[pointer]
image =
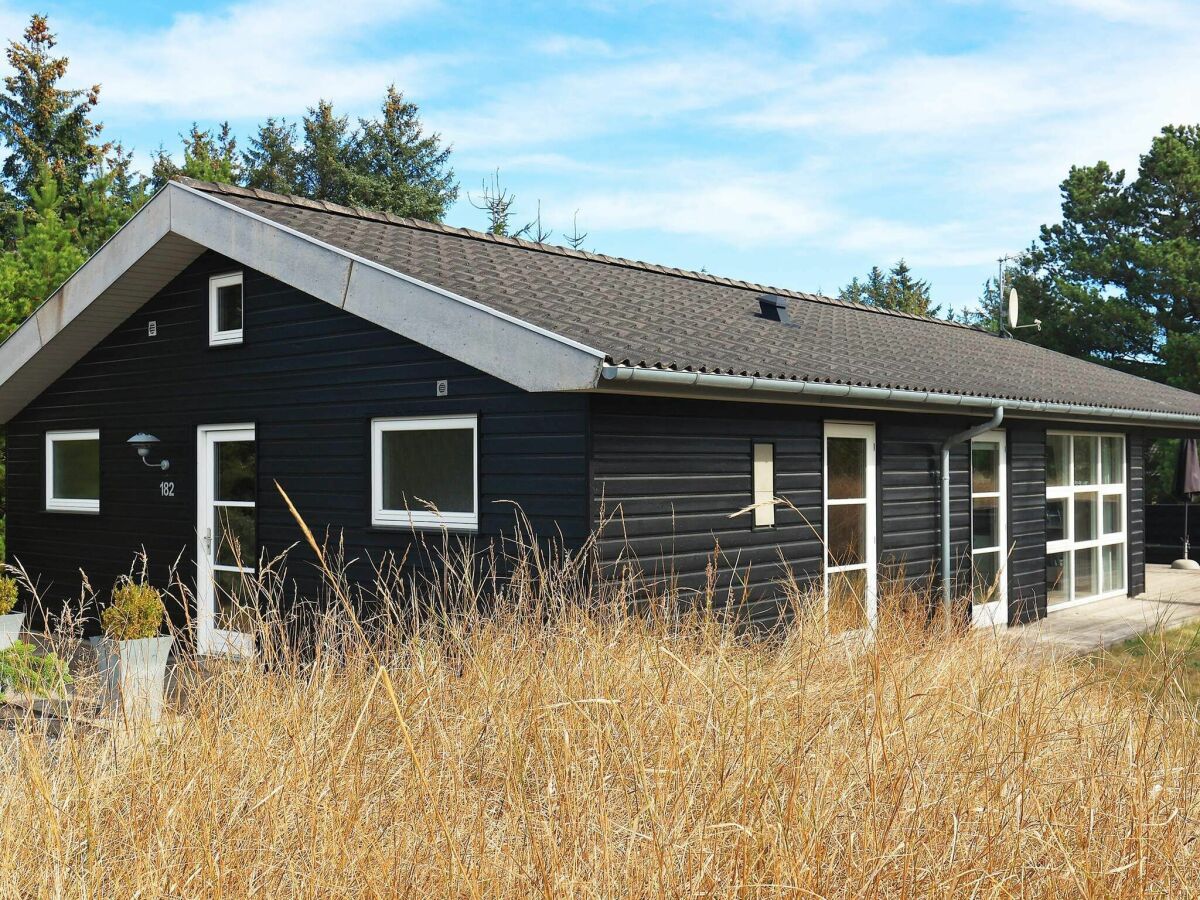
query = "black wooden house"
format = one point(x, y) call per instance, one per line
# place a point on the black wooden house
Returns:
point(399, 377)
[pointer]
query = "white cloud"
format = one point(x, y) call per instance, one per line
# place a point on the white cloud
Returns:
point(572, 107)
point(248, 60)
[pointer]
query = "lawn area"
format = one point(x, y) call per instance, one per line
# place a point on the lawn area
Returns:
point(1156, 661)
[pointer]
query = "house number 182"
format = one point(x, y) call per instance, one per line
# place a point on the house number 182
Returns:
point(167, 488)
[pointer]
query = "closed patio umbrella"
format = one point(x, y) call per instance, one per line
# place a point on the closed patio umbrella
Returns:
point(1187, 485)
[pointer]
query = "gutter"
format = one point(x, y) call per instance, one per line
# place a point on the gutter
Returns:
point(962, 436)
point(764, 387)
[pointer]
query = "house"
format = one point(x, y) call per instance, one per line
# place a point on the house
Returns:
point(397, 377)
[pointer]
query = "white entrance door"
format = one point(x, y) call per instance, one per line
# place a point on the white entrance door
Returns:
point(227, 551)
point(850, 578)
point(989, 531)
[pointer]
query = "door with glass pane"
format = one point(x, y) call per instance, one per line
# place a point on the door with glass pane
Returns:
point(227, 551)
point(989, 531)
point(850, 577)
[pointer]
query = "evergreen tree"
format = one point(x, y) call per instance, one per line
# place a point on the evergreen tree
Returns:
point(329, 145)
point(896, 290)
point(272, 163)
point(44, 126)
point(46, 255)
point(402, 169)
point(107, 200)
point(205, 157)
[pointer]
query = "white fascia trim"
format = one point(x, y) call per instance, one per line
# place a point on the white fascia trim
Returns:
point(872, 395)
point(510, 348)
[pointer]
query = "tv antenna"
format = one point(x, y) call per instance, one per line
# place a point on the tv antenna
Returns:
point(1013, 310)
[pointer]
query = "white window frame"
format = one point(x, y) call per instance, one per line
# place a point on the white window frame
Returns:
point(423, 518)
point(1068, 545)
point(762, 454)
point(67, 504)
point(994, 612)
point(218, 338)
point(862, 431)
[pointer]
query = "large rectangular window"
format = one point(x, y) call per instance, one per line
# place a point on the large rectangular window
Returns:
point(424, 472)
point(1085, 517)
point(73, 471)
point(764, 485)
point(850, 588)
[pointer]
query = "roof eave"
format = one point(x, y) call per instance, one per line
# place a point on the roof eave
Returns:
point(780, 390)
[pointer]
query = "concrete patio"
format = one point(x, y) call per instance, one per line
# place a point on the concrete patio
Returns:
point(1172, 598)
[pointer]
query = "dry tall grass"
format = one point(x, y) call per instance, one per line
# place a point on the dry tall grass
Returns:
point(559, 748)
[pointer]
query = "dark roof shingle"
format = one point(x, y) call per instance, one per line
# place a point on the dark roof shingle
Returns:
point(642, 314)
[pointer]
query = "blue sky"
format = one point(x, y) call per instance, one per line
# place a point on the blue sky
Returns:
point(793, 142)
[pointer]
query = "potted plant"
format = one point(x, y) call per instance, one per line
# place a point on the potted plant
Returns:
point(26, 671)
point(131, 655)
point(10, 622)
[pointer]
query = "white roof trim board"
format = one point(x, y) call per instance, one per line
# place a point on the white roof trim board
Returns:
point(179, 223)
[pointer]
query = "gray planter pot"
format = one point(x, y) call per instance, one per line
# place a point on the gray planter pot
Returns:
point(133, 676)
point(10, 629)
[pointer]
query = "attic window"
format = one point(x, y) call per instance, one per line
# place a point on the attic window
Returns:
point(225, 309)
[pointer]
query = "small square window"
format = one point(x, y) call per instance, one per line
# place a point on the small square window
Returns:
point(225, 309)
point(73, 471)
point(424, 472)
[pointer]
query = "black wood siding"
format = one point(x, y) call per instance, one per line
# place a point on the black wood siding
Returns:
point(667, 475)
point(670, 472)
point(910, 492)
point(1026, 522)
point(1136, 499)
point(310, 377)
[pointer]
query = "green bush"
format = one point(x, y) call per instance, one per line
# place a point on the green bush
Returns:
point(136, 611)
point(8, 595)
point(23, 669)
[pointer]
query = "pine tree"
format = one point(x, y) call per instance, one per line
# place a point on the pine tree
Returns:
point(205, 157)
point(44, 126)
point(328, 145)
point(897, 290)
point(272, 163)
point(46, 255)
point(402, 169)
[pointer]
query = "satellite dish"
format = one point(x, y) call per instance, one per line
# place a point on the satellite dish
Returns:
point(1012, 308)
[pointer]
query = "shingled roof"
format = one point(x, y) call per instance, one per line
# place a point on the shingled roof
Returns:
point(643, 315)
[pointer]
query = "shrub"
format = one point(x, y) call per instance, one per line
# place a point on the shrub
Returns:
point(8, 595)
point(22, 668)
point(136, 611)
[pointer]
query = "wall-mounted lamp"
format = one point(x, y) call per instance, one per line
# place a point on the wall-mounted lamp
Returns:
point(142, 442)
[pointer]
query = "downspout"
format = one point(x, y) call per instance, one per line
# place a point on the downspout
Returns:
point(947, 577)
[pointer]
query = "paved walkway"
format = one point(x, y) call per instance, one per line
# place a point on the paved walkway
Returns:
point(1172, 598)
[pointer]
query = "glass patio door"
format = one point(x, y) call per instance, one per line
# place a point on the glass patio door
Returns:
point(227, 551)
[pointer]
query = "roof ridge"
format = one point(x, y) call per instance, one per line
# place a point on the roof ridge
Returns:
point(358, 212)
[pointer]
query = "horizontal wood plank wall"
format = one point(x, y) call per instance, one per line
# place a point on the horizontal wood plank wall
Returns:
point(1027, 522)
point(910, 489)
point(1136, 501)
point(310, 377)
point(667, 474)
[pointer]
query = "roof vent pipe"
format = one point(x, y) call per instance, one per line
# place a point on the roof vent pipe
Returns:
point(947, 575)
point(774, 307)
